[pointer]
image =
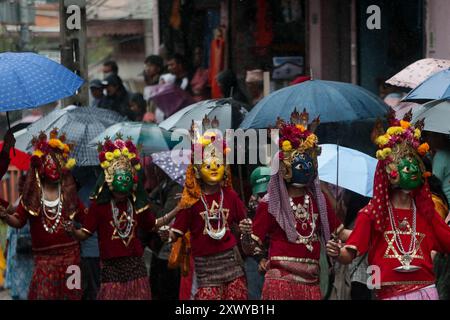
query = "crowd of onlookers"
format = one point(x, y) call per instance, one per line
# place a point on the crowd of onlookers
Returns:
point(195, 80)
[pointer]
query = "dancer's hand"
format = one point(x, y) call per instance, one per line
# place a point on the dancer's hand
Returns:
point(262, 266)
point(164, 233)
point(334, 248)
point(9, 140)
point(246, 226)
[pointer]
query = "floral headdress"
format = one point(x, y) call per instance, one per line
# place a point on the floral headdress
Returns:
point(401, 139)
point(54, 146)
point(297, 137)
point(208, 144)
point(116, 155)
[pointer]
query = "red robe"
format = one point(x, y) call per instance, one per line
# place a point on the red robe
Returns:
point(264, 224)
point(384, 252)
point(99, 218)
point(191, 219)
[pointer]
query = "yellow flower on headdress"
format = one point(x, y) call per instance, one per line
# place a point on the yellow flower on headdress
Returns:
point(383, 140)
point(131, 156)
point(117, 153)
point(417, 133)
point(56, 143)
point(384, 153)
point(125, 152)
point(301, 128)
point(105, 164)
point(395, 131)
point(38, 153)
point(109, 156)
point(71, 163)
point(286, 146)
point(137, 167)
point(66, 148)
point(310, 141)
point(404, 124)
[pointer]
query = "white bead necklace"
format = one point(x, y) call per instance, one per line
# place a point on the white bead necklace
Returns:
point(53, 213)
point(116, 219)
point(220, 231)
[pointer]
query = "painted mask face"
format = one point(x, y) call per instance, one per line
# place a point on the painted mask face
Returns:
point(303, 170)
point(51, 172)
point(122, 182)
point(409, 173)
point(212, 170)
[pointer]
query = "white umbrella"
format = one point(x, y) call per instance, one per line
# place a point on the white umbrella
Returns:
point(436, 115)
point(356, 169)
point(418, 72)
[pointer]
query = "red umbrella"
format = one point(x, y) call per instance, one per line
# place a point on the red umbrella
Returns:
point(20, 160)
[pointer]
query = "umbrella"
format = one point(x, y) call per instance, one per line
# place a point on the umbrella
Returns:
point(228, 111)
point(404, 107)
point(169, 98)
point(435, 87)
point(170, 162)
point(151, 137)
point(436, 115)
point(416, 73)
point(81, 125)
point(356, 169)
point(333, 101)
point(19, 159)
point(29, 80)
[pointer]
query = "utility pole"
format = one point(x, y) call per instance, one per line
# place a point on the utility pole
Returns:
point(73, 45)
point(24, 21)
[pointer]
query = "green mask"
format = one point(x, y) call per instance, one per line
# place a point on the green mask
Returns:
point(410, 173)
point(123, 182)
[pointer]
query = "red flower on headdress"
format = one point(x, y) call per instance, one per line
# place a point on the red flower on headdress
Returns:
point(130, 146)
point(120, 144)
point(35, 162)
point(102, 156)
point(109, 146)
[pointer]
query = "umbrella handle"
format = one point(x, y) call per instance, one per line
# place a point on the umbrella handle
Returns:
point(9, 129)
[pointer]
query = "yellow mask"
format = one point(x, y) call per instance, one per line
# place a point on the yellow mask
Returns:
point(212, 170)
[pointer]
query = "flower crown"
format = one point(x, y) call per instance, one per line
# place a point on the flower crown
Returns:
point(297, 136)
point(119, 154)
point(210, 142)
point(400, 133)
point(54, 145)
point(400, 140)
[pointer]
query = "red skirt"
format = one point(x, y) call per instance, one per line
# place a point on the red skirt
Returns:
point(234, 290)
point(50, 279)
point(291, 281)
point(138, 289)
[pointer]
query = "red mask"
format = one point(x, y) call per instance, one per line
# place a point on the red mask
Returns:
point(51, 172)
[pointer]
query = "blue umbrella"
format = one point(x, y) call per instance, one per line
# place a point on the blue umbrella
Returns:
point(333, 101)
point(356, 169)
point(28, 80)
point(436, 87)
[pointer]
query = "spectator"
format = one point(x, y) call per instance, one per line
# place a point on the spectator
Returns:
point(117, 96)
point(229, 86)
point(177, 66)
point(254, 81)
point(9, 143)
point(96, 89)
point(199, 82)
point(153, 69)
point(109, 68)
point(138, 107)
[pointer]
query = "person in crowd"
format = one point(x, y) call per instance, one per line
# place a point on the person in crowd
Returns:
point(163, 199)
point(8, 144)
point(154, 67)
point(86, 178)
point(138, 107)
point(110, 67)
point(96, 88)
point(400, 227)
point(117, 97)
point(19, 262)
point(294, 214)
point(118, 208)
point(50, 203)
point(254, 82)
point(229, 86)
point(209, 209)
point(178, 67)
point(200, 80)
point(259, 180)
